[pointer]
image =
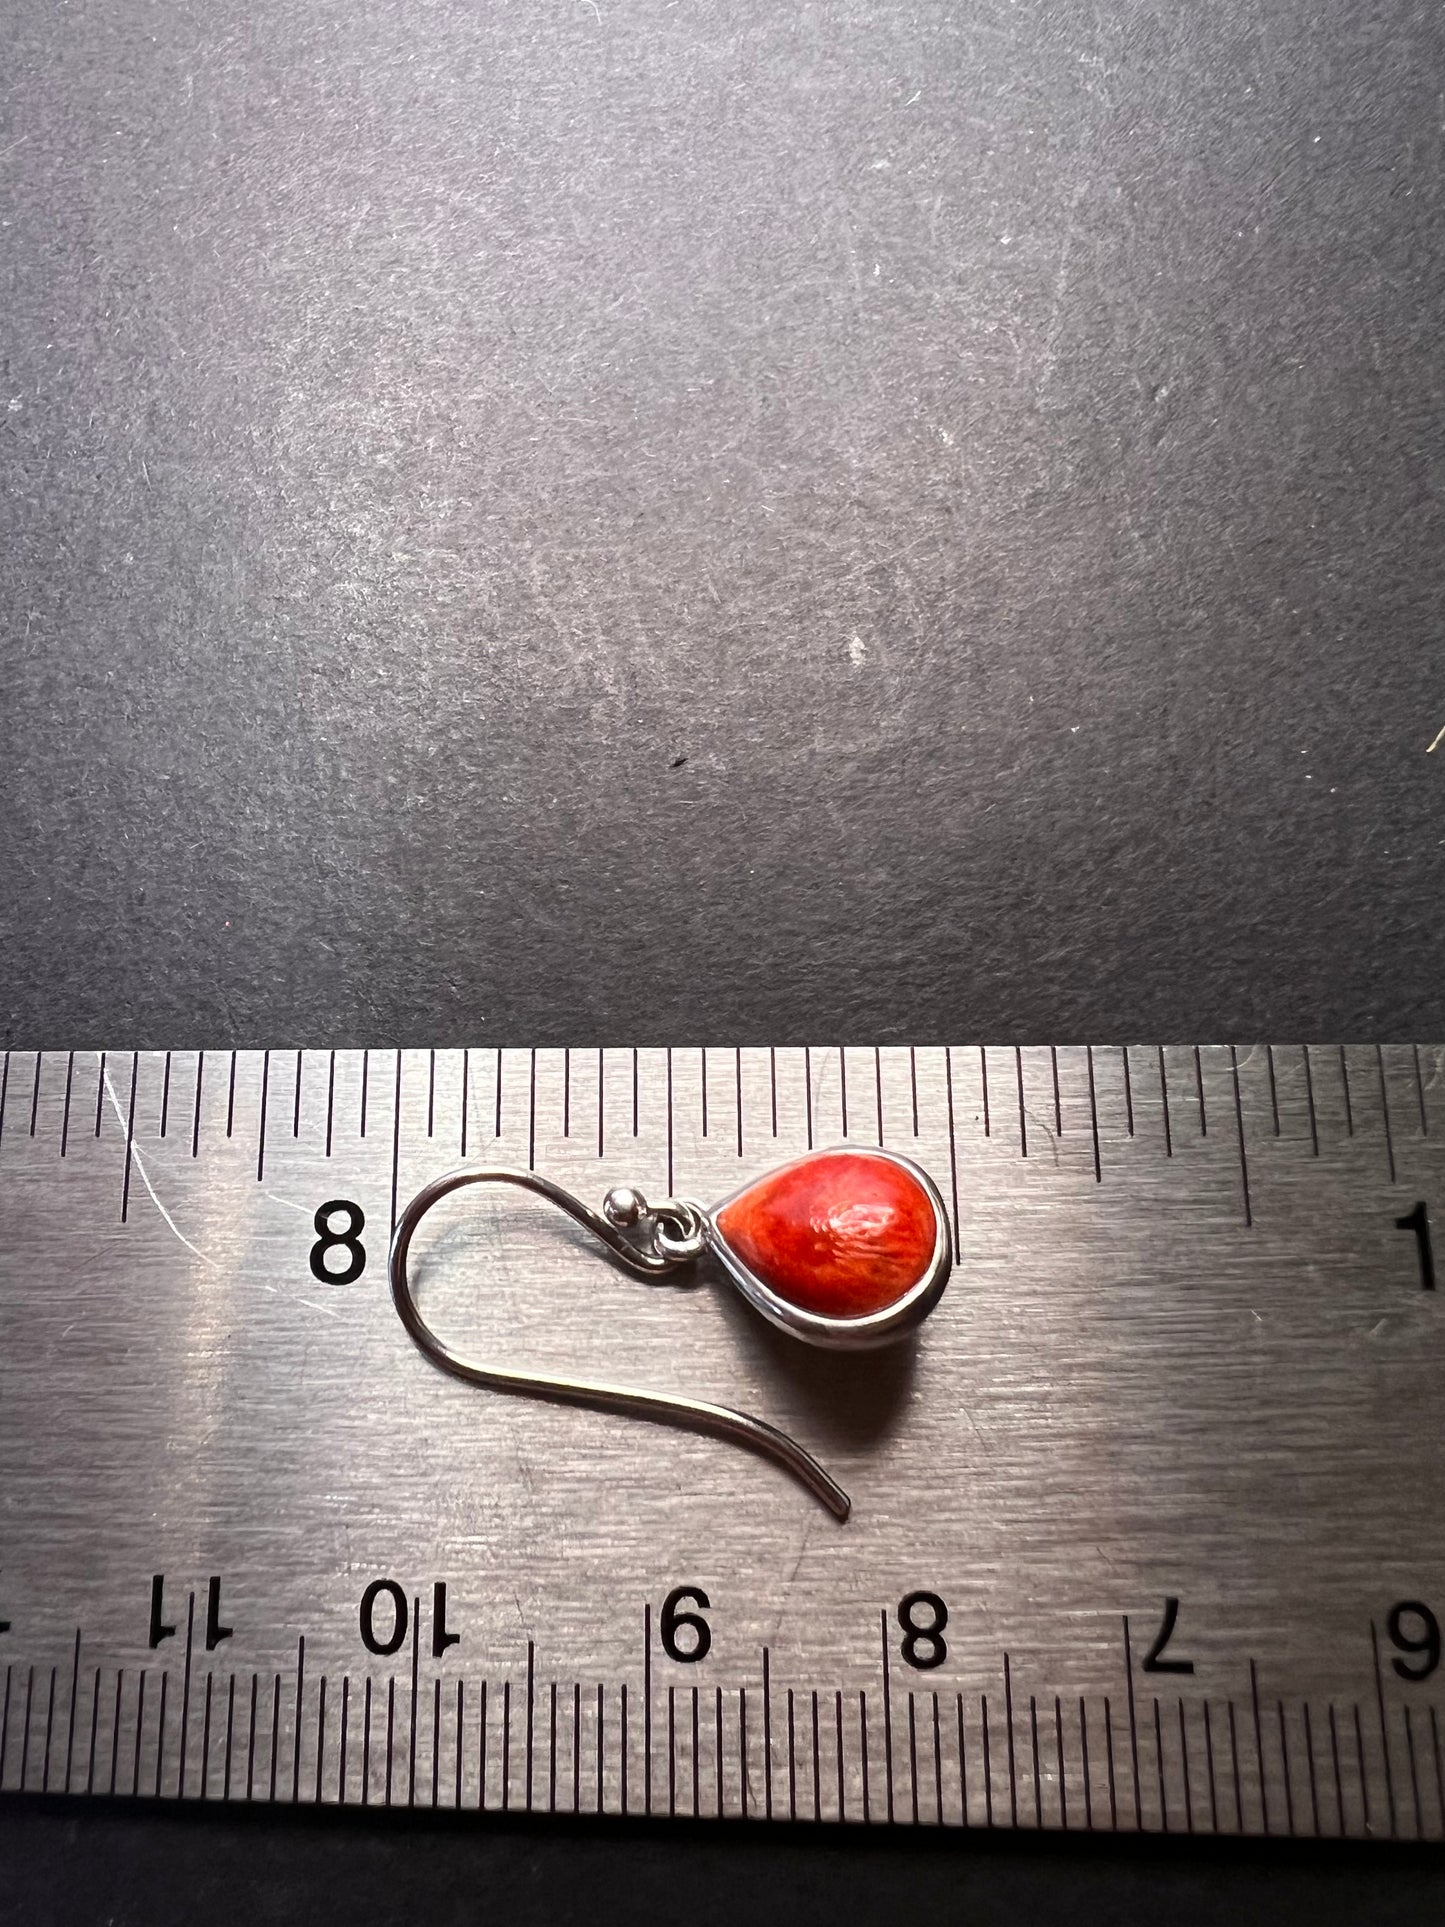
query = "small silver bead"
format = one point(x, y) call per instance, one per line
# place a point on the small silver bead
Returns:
point(623, 1206)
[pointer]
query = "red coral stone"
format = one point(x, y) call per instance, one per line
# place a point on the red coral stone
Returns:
point(841, 1233)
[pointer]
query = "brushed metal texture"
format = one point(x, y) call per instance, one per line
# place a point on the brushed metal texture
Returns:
point(1186, 1354)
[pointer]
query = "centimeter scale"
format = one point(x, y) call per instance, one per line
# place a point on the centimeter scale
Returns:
point(1146, 1527)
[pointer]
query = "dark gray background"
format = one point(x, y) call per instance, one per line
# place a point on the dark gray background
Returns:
point(996, 446)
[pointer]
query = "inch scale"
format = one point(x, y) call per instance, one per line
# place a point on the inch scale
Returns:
point(1146, 1523)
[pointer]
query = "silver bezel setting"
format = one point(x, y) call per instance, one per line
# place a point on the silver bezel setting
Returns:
point(878, 1328)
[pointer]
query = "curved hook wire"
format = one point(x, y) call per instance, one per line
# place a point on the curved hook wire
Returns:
point(665, 1408)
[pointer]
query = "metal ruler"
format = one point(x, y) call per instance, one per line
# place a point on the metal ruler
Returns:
point(1147, 1526)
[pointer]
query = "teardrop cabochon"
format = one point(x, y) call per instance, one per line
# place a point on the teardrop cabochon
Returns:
point(836, 1229)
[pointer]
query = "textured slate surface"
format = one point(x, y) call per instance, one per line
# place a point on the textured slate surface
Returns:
point(654, 520)
point(998, 446)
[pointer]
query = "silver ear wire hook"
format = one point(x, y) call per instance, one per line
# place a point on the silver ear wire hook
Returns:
point(651, 1242)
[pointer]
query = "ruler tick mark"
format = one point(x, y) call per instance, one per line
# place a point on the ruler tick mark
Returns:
point(115, 1730)
point(320, 1737)
point(206, 1738)
point(531, 1720)
point(839, 1754)
point(1259, 1747)
point(647, 1703)
point(460, 1745)
point(74, 1693)
point(1133, 1730)
point(1184, 1761)
point(261, 1134)
point(186, 1694)
point(1384, 1732)
point(952, 1146)
point(1335, 1769)
point(767, 1737)
point(1164, 1105)
point(1310, 1101)
point(887, 1716)
point(49, 1733)
point(1310, 1760)
point(577, 1744)
point(140, 1714)
point(35, 1094)
point(1023, 1119)
point(1360, 1754)
point(1209, 1771)
point(1084, 1765)
point(1285, 1776)
point(129, 1137)
point(275, 1730)
point(1239, 1132)
point(231, 1099)
point(65, 1114)
point(1094, 1116)
point(1059, 1751)
point(251, 1741)
point(1385, 1111)
point(300, 1707)
point(415, 1687)
point(913, 1753)
point(817, 1762)
point(390, 1737)
point(863, 1748)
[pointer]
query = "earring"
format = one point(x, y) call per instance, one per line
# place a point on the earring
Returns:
point(848, 1249)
